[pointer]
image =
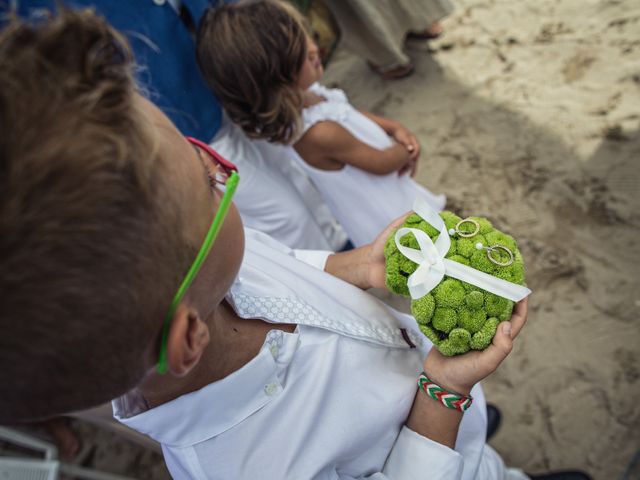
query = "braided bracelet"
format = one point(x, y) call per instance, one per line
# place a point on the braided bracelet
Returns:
point(448, 399)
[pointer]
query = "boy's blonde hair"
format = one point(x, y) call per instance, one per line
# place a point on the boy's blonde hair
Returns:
point(250, 53)
point(89, 256)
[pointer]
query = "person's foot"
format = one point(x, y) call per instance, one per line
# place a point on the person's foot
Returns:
point(561, 475)
point(432, 32)
point(493, 420)
point(394, 72)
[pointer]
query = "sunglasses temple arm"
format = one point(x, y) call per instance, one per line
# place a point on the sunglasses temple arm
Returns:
point(225, 203)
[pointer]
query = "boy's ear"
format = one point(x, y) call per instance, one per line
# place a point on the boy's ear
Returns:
point(188, 337)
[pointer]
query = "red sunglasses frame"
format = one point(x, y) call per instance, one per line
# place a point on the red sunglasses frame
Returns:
point(223, 162)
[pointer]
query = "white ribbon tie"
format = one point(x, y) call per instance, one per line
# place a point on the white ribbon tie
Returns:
point(433, 266)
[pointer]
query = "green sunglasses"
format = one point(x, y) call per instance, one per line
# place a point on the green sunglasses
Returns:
point(228, 176)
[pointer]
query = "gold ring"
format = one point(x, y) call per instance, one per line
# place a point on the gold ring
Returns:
point(494, 248)
point(467, 234)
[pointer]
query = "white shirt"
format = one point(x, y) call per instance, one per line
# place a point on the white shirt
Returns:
point(363, 203)
point(326, 402)
point(274, 199)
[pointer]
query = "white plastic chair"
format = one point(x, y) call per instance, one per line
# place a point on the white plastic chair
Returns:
point(46, 468)
point(18, 469)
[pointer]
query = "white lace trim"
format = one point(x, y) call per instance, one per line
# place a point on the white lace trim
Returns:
point(293, 311)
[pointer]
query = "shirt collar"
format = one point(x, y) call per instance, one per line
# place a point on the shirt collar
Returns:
point(219, 405)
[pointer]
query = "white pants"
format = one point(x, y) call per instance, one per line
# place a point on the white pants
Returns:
point(492, 467)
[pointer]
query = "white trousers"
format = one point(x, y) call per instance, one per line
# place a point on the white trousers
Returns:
point(492, 467)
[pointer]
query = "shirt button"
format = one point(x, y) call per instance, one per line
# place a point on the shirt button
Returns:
point(274, 350)
point(159, 2)
point(271, 389)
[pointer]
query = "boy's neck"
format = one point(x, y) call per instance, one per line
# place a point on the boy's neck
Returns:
point(234, 342)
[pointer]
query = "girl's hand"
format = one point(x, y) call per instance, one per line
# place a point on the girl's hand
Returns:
point(403, 135)
point(459, 374)
point(411, 167)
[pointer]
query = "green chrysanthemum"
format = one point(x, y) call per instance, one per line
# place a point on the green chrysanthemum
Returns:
point(422, 309)
point(457, 316)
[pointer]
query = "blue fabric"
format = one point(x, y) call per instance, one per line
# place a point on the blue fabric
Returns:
point(165, 52)
point(347, 246)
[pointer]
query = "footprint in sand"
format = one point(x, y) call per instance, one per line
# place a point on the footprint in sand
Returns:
point(576, 66)
point(627, 361)
point(547, 263)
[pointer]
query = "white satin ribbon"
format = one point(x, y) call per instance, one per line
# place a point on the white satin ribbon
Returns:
point(432, 266)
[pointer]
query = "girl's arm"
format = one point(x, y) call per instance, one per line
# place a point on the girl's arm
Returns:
point(329, 146)
point(386, 124)
point(399, 132)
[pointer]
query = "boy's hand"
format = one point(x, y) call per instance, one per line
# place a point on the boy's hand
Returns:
point(459, 374)
point(375, 256)
point(364, 266)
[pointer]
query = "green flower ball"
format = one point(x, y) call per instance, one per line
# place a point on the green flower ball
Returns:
point(456, 316)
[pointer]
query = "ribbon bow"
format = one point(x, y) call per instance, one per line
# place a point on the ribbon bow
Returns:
point(433, 266)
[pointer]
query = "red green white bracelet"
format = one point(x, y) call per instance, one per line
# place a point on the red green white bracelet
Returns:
point(453, 400)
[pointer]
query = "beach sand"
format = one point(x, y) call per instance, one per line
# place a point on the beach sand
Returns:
point(529, 113)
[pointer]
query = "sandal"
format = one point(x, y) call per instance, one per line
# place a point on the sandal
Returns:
point(432, 32)
point(394, 72)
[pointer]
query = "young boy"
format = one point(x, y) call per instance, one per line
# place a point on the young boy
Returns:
point(275, 368)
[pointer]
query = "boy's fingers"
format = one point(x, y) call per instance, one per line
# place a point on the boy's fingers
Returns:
point(519, 317)
point(394, 225)
point(502, 343)
point(399, 221)
point(500, 347)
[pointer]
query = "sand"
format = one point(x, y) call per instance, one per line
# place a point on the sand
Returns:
point(529, 113)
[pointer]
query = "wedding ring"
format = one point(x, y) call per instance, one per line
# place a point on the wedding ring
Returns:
point(497, 248)
point(467, 234)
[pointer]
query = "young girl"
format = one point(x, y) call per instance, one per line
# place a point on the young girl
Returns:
point(263, 66)
point(276, 200)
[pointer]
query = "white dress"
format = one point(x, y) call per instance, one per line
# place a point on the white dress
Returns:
point(274, 199)
point(363, 203)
